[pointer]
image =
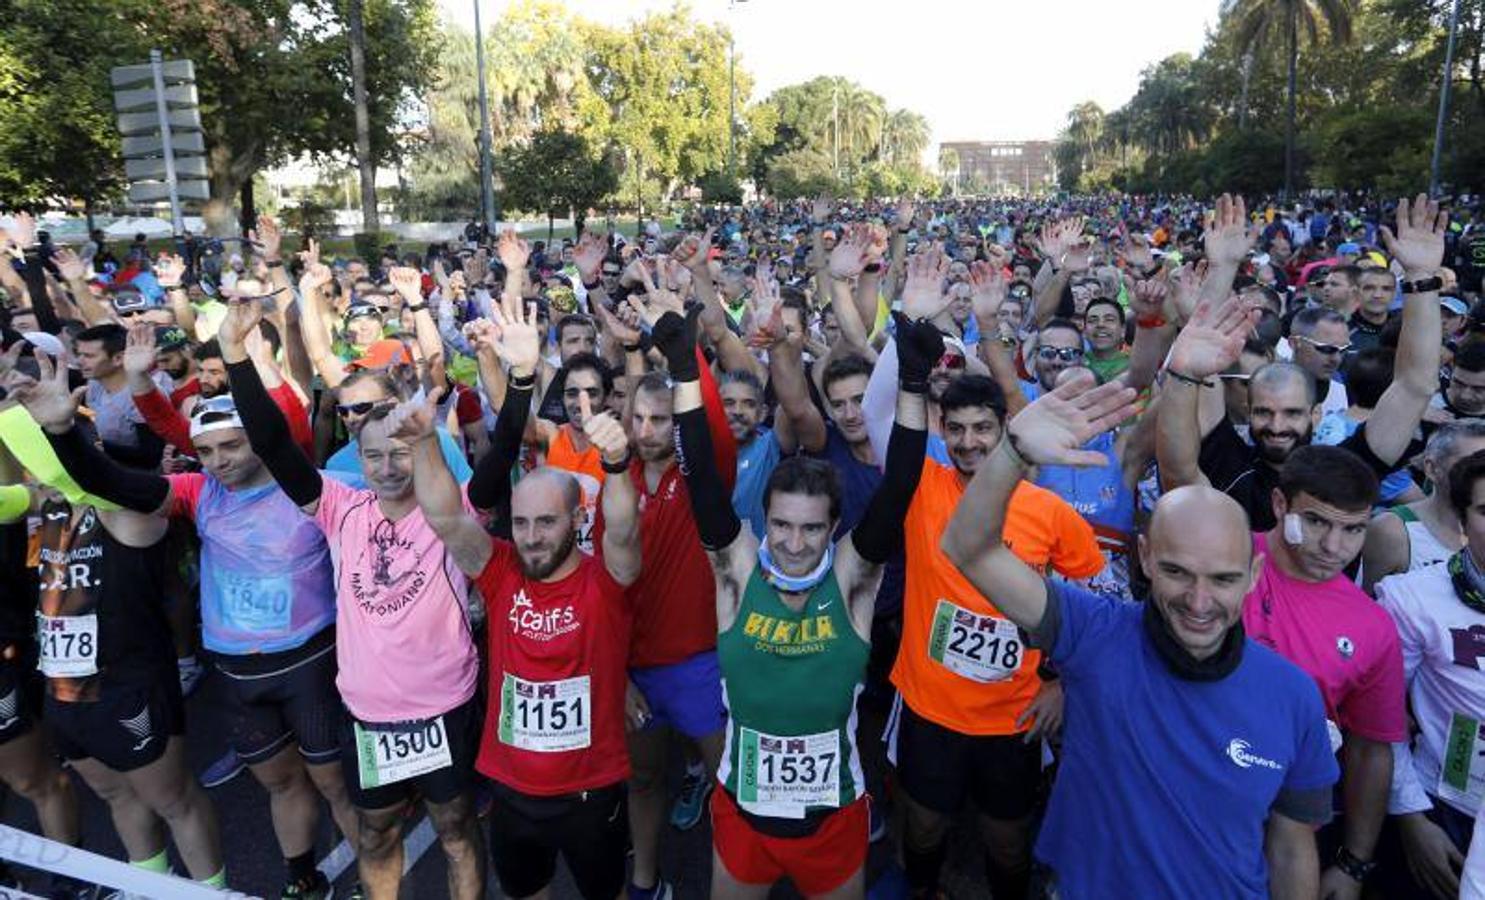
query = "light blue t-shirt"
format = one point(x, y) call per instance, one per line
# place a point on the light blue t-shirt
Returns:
point(755, 462)
point(345, 465)
point(1189, 770)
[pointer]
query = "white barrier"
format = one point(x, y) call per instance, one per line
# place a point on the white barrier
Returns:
point(36, 852)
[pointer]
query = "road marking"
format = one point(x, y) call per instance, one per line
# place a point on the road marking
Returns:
point(417, 842)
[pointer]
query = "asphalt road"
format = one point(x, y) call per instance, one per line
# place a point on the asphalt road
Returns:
point(254, 866)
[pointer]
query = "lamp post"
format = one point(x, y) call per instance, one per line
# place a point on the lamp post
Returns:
point(487, 191)
point(1438, 129)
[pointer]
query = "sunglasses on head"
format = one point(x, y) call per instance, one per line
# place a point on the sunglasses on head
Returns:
point(363, 408)
point(1327, 349)
point(1066, 354)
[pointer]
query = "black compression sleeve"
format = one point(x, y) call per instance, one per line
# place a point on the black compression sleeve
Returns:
point(94, 472)
point(268, 433)
point(711, 506)
point(145, 453)
point(879, 532)
point(489, 486)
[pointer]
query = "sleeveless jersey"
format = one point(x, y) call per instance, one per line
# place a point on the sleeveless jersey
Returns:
point(1423, 548)
point(100, 619)
point(267, 583)
point(790, 681)
point(587, 468)
point(558, 675)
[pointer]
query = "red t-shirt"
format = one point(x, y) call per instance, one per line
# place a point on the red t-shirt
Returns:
point(557, 677)
point(191, 388)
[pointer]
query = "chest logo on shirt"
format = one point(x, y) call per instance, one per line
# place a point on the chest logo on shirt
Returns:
point(810, 634)
point(1469, 645)
point(1345, 647)
point(1242, 755)
point(540, 625)
point(389, 573)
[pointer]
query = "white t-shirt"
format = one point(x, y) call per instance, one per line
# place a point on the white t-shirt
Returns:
point(1443, 645)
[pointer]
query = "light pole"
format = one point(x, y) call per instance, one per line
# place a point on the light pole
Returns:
point(732, 99)
point(1438, 128)
point(487, 191)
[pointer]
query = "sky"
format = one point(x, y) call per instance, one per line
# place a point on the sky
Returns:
point(977, 69)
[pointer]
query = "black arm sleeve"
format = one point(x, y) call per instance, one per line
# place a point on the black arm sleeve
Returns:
point(94, 472)
point(489, 486)
point(41, 302)
point(268, 433)
point(879, 532)
point(711, 506)
point(144, 454)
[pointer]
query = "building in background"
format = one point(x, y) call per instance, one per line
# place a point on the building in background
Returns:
point(1001, 167)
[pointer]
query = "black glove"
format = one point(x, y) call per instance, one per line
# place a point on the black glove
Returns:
point(675, 336)
point(920, 345)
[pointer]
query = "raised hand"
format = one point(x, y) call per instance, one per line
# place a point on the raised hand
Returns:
point(74, 269)
point(1417, 242)
point(169, 270)
point(1053, 429)
point(658, 301)
point(477, 265)
point(408, 282)
point(1213, 339)
point(268, 237)
point(987, 280)
point(1137, 252)
point(46, 397)
point(139, 351)
point(604, 432)
point(692, 250)
point(413, 420)
point(1147, 300)
point(852, 252)
point(316, 276)
point(309, 254)
point(23, 231)
point(512, 251)
point(820, 209)
point(616, 327)
point(588, 256)
point(902, 217)
point(242, 317)
point(1058, 237)
point(923, 294)
point(1231, 235)
point(516, 339)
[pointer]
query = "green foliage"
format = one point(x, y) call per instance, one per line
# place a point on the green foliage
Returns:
point(800, 173)
point(368, 245)
point(1379, 148)
point(310, 217)
point(557, 173)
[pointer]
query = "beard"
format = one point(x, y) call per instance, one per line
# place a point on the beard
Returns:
point(546, 567)
point(1277, 455)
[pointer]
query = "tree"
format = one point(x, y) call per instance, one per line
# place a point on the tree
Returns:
point(905, 136)
point(800, 173)
point(1260, 20)
point(365, 162)
point(948, 166)
point(557, 173)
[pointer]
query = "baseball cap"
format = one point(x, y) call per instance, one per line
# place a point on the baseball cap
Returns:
point(170, 337)
point(49, 344)
point(1350, 248)
point(380, 355)
point(214, 414)
point(1453, 304)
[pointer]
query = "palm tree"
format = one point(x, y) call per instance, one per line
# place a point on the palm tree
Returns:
point(1258, 20)
point(904, 137)
point(948, 165)
point(862, 115)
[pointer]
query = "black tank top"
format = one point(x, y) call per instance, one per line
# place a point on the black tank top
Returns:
point(100, 607)
point(17, 587)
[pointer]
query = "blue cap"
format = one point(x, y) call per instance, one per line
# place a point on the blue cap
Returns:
point(1350, 247)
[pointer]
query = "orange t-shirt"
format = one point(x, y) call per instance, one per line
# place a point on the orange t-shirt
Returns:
point(587, 468)
point(962, 665)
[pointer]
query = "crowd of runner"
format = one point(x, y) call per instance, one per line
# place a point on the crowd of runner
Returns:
point(1151, 530)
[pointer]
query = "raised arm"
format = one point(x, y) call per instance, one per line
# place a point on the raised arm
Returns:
point(620, 497)
point(512, 339)
point(787, 378)
point(312, 305)
point(1418, 244)
point(74, 272)
point(1048, 432)
point(159, 413)
point(434, 485)
point(408, 282)
point(267, 430)
point(1152, 336)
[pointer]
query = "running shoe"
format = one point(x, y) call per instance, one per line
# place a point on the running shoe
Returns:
point(315, 887)
point(226, 768)
point(691, 802)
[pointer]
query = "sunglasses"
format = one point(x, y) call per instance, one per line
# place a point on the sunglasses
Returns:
point(1066, 354)
point(130, 313)
point(1326, 349)
point(360, 409)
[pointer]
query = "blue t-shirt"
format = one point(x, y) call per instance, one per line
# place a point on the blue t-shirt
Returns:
point(755, 462)
point(345, 465)
point(1166, 784)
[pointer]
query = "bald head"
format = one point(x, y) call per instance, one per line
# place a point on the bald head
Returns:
point(547, 487)
point(1201, 517)
point(1282, 377)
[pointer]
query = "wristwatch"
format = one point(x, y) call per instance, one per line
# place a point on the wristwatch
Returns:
point(1422, 285)
point(1355, 867)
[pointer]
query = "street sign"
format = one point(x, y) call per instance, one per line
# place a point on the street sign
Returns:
point(173, 72)
point(149, 122)
point(154, 169)
point(159, 191)
point(182, 142)
point(161, 124)
point(180, 96)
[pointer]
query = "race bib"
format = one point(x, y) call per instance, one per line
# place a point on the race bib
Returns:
point(546, 716)
point(782, 776)
point(980, 648)
point(1462, 776)
point(393, 753)
point(259, 604)
point(69, 645)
